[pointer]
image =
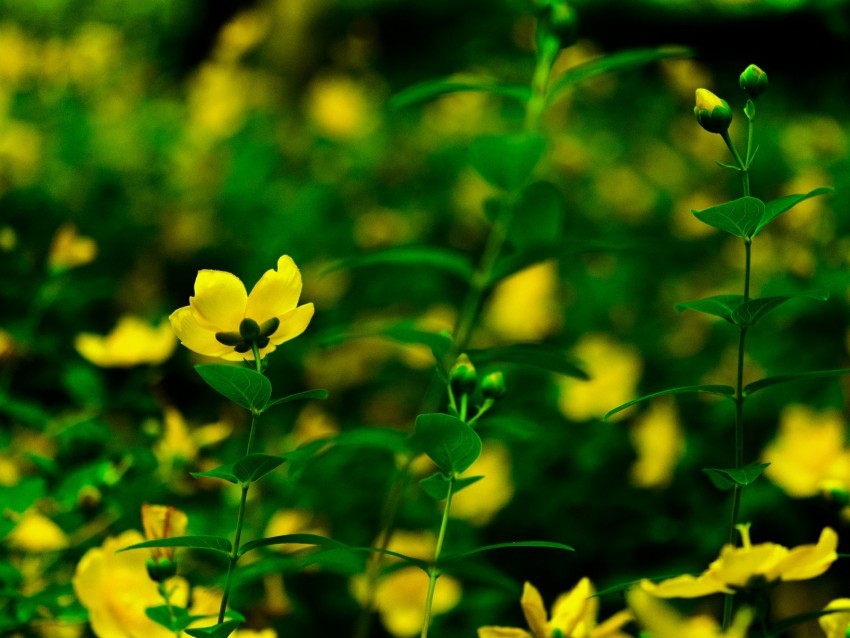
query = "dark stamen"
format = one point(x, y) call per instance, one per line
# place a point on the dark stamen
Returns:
point(268, 327)
point(249, 329)
point(228, 338)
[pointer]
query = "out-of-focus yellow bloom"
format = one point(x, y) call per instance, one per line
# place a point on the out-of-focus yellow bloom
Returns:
point(10, 474)
point(659, 442)
point(242, 34)
point(116, 590)
point(809, 451)
point(481, 501)
point(163, 521)
point(312, 424)
point(573, 616)
point(132, 342)
point(20, 152)
point(752, 565)
point(662, 621)
point(624, 191)
point(8, 239)
point(70, 249)
point(222, 319)
point(836, 625)
point(614, 370)
point(179, 444)
point(95, 48)
point(293, 521)
point(340, 108)
point(59, 629)
point(35, 533)
point(7, 345)
point(524, 306)
point(400, 596)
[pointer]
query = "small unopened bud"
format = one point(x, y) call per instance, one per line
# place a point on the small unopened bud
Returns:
point(160, 569)
point(89, 499)
point(712, 112)
point(557, 19)
point(493, 386)
point(753, 81)
point(463, 376)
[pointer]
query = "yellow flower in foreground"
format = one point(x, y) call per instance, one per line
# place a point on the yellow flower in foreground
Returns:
point(163, 521)
point(116, 590)
point(223, 320)
point(752, 565)
point(573, 615)
point(838, 624)
point(70, 249)
point(132, 342)
point(662, 621)
point(36, 533)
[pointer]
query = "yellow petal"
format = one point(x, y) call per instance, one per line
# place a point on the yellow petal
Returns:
point(809, 561)
point(535, 612)
point(194, 336)
point(685, 587)
point(292, 324)
point(92, 348)
point(611, 627)
point(737, 565)
point(573, 607)
point(502, 632)
point(276, 293)
point(659, 618)
point(219, 301)
point(836, 625)
point(36, 533)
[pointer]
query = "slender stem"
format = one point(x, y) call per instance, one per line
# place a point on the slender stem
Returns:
point(464, 406)
point(163, 591)
point(744, 167)
point(434, 572)
point(488, 403)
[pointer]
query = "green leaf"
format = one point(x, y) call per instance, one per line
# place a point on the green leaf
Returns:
point(448, 441)
point(307, 394)
point(18, 498)
point(293, 539)
point(378, 437)
point(437, 485)
point(775, 208)
point(450, 558)
point(507, 161)
point(220, 630)
point(434, 88)
point(761, 384)
point(211, 543)
point(223, 472)
point(726, 479)
point(614, 63)
point(782, 626)
point(538, 217)
point(719, 390)
point(750, 312)
point(161, 615)
point(531, 354)
point(720, 305)
point(26, 411)
point(740, 217)
point(253, 467)
point(246, 388)
point(442, 259)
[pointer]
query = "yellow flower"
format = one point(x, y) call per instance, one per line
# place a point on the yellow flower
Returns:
point(36, 533)
point(132, 342)
point(525, 305)
point(752, 565)
point(294, 521)
point(70, 249)
point(223, 320)
point(163, 521)
point(836, 625)
point(116, 590)
point(481, 501)
point(662, 621)
point(659, 442)
point(179, 444)
point(340, 107)
point(573, 615)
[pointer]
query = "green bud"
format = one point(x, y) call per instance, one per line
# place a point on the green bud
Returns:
point(712, 113)
point(556, 20)
point(753, 81)
point(462, 376)
point(160, 569)
point(493, 386)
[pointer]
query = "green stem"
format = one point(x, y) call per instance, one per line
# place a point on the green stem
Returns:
point(488, 403)
point(163, 591)
point(745, 169)
point(434, 572)
point(464, 406)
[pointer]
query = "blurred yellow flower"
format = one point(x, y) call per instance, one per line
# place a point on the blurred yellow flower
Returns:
point(293, 521)
point(481, 501)
point(659, 442)
point(35, 533)
point(662, 621)
point(574, 615)
point(525, 306)
point(836, 625)
point(7, 345)
point(163, 521)
point(614, 371)
point(752, 565)
point(8, 239)
point(10, 474)
point(809, 451)
point(20, 152)
point(132, 342)
point(70, 249)
point(223, 320)
point(340, 107)
point(242, 34)
point(179, 444)
point(313, 423)
point(116, 590)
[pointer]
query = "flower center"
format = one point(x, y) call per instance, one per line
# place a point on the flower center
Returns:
point(250, 333)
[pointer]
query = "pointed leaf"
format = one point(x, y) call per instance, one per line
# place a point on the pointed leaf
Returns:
point(750, 312)
point(532, 354)
point(434, 88)
point(174, 619)
point(448, 261)
point(437, 485)
point(246, 388)
point(377, 437)
point(293, 539)
point(740, 217)
point(720, 305)
point(507, 161)
point(449, 442)
point(761, 384)
point(719, 390)
point(730, 166)
point(211, 543)
point(223, 472)
point(621, 587)
point(255, 466)
point(220, 630)
point(775, 208)
point(307, 394)
point(726, 479)
point(450, 558)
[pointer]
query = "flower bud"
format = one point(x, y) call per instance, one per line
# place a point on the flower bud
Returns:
point(753, 81)
point(160, 569)
point(493, 386)
point(557, 19)
point(712, 112)
point(462, 376)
